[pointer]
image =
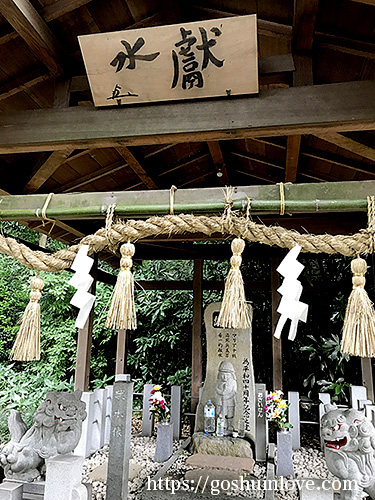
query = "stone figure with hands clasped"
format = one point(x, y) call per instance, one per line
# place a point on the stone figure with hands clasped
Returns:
point(226, 390)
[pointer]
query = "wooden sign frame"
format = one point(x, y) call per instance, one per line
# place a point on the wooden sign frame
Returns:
point(211, 58)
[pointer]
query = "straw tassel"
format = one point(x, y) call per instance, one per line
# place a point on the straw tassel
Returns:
point(27, 344)
point(122, 313)
point(234, 312)
point(358, 337)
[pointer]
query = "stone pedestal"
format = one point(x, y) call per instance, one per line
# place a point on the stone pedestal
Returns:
point(11, 491)
point(316, 490)
point(64, 478)
point(229, 381)
point(164, 442)
point(284, 454)
point(226, 446)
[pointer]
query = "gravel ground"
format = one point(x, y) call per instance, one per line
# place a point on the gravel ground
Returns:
point(308, 463)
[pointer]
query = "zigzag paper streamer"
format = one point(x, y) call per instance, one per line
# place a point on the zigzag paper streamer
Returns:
point(82, 280)
point(290, 306)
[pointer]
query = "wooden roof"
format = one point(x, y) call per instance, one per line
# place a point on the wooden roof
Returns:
point(306, 42)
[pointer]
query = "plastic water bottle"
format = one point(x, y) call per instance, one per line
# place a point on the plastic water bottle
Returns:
point(220, 425)
point(241, 427)
point(209, 417)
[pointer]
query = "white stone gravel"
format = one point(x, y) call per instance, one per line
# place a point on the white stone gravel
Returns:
point(308, 463)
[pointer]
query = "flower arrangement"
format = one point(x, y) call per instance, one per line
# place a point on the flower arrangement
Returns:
point(276, 409)
point(158, 405)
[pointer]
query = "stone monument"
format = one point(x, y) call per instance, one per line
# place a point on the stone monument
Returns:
point(56, 431)
point(229, 379)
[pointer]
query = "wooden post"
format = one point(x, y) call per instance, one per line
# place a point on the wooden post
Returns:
point(84, 341)
point(122, 351)
point(196, 346)
point(367, 377)
point(276, 343)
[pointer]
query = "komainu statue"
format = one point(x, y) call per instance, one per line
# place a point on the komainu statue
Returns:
point(349, 439)
point(56, 430)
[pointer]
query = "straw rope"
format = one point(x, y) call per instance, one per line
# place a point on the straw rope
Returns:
point(238, 226)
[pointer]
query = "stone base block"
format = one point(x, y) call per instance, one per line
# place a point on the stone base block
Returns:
point(315, 491)
point(284, 455)
point(100, 472)
point(164, 442)
point(11, 491)
point(237, 464)
point(225, 446)
point(63, 477)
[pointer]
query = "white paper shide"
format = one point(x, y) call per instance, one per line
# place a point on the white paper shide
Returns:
point(290, 306)
point(82, 280)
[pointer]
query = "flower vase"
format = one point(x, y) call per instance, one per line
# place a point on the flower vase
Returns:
point(164, 441)
point(284, 453)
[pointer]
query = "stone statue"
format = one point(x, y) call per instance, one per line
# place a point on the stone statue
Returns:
point(57, 429)
point(349, 439)
point(226, 390)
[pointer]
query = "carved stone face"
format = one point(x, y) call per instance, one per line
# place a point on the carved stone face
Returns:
point(347, 430)
point(335, 430)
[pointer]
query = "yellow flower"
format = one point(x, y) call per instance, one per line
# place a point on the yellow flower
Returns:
point(282, 404)
point(157, 387)
point(277, 400)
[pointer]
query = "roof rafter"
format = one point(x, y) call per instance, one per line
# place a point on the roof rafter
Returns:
point(292, 157)
point(136, 166)
point(91, 177)
point(45, 171)
point(32, 28)
point(218, 159)
point(349, 144)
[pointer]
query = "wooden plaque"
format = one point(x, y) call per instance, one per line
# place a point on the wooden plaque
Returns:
point(180, 61)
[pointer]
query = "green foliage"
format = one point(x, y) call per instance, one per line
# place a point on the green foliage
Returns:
point(328, 367)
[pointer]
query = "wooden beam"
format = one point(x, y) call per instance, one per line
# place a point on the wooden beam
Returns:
point(23, 82)
point(32, 28)
point(91, 177)
point(49, 167)
point(196, 347)
point(277, 353)
point(84, 342)
point(189, 285)
point(62, 93)
point(301, 110)
point(276, 64)
point(137, 168)
point(305, 12)
point(349, 144)
point(339, 161)
point(254, 173)
point(264, 27)
point(218, 159)
point(318, 155)
point(61, 7)
point(345, 45)
point(292, 157)
point(365, 2)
